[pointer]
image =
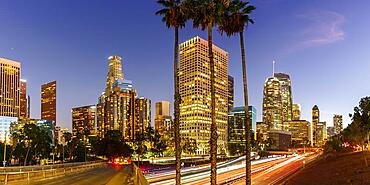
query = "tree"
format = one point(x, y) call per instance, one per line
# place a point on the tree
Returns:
point(32, 144)
point(207, 14)
point(234, 22)
point(189, 146)
point(175, 15)
point(112, 145)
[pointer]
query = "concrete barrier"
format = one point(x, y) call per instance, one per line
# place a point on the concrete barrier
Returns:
point(28, 173)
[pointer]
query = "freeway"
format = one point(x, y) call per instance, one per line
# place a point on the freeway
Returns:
point(266, 171)
point(200, 175)
point(111, 175)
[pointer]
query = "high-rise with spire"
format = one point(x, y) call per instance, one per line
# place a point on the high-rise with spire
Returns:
point(272, 104)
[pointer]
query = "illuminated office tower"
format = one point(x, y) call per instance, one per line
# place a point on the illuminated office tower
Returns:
point(300, 130)
point(10, 72)
point(231, 93)
point(114, 72)
point(23, 99)
point(163, 119)
point(84, 120)
point(286, 96)
point(49, 101)
point(116, 110)
point(272, 104)
point(338, 124)
point(236, 125)
point(143, 115)
point(195, 93)
point(296, 112)
point(321, 133)
point(315, 122)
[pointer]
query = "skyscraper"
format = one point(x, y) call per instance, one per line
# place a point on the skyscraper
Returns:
point(143, 115)
point(10, 73)
point(114, 72)
point(116, 106)
point(296, 112)
point(230, 86)
point(116, 110)
point(286, 98)
point(23, 99)
point(286, 95)
point(300, 130)
point(84, 120)
point(195, 93)
point(338, 124)
point(315, 122)
point(236, 125)
point(321, 133)
point(49, 101)
point(272, 104)
point(163, 119)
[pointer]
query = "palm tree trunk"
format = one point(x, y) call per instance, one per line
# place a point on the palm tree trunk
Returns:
point(213, 139)
point(247, 118)
point(177, 108)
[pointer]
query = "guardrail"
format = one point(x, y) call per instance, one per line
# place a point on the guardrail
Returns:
point(27, 173)
point(137, 176)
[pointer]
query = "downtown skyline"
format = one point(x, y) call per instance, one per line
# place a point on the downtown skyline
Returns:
point(77, 58)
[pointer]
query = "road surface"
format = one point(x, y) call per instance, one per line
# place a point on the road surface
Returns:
point(111, 175)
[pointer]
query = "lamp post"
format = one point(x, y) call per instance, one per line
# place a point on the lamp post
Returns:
point(4, 162)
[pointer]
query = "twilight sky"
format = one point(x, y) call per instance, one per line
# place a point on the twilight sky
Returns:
point(323, 45)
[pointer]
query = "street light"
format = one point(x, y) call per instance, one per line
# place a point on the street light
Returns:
point(4, 162)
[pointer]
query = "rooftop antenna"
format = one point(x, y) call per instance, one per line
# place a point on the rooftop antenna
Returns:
point(273, 68)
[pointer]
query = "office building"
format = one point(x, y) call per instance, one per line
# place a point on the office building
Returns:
point(286, 98)
point(236, 125)
point(5, 123)
point(230, 86)
point(23, 104)
point(272, 104)
point(163, 119)
point(296, 112)
point(315, 122)
point(281, 140)
point(84, 120)
point(116, 111)
point(59, 135)
point(49, 101)
point(338, 124)
point(114, 73)
point(10, 72)
point(116, 106)
point(331, 132)
point(143, 115)
point(300, 130)
point(321, 133)
point(195, 93)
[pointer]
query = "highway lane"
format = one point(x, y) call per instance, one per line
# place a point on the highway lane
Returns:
point(202, 176)
point(111, 175)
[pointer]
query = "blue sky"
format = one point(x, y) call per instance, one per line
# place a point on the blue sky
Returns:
point(323, 45)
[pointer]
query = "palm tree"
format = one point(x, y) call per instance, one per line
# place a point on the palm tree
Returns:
point(207, 14)
point(236, 19)
point(175, 16)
